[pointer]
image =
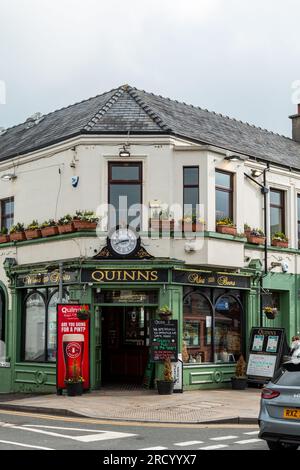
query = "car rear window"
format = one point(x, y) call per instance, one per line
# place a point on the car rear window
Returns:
point(285, 377)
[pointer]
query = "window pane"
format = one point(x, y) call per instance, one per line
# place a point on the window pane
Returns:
point(223, 180)
point(8, 207)
point(191, 176)
point(276, 220)
point(35, 328)
point(197, 329)
point(223, 205)
point(122, 198)
point(228, 318)
point(126, 173)
point(191, 198)
point(276, 197)
point(52, 327)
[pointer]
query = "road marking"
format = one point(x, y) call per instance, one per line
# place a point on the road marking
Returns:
point(155, 448)
point(100, 436)
point(252, 433)
point(248, 441)
point(223, 438)
point(220, 446)
point(20, 444)
point(188, 443)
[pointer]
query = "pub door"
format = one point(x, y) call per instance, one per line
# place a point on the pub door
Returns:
point(125, 344)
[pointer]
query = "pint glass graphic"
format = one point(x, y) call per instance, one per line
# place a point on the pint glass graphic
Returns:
point(73, 346)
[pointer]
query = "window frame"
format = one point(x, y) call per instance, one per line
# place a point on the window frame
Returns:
point(229, 191)
point(281, 207)
point(9, 215)
point(191, 186)
point(124, 182)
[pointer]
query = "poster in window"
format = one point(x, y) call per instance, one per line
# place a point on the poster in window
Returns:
point(272, 344)
point(258, 343)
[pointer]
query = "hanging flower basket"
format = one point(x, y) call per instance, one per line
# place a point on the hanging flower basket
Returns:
point(83, 313)
point(270, 312)
point(165, 313)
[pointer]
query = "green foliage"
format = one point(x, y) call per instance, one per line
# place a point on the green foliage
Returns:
point(280, 236)
point(66, 219)
point(49, 223)
point(34, 225)
point(86, 216)
point(17, 228)
point(226, 221)
point(4, 231)
point(240, 368)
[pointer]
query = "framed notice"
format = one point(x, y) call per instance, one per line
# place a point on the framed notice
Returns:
point(73, 349)
point(267, 347)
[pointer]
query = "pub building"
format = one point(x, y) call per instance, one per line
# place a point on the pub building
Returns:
point(131, 143)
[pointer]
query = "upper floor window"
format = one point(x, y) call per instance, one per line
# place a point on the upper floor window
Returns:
point(7, 213)
point(190, 189)
point(224, 195)
point(125, 193)
point(277, 211)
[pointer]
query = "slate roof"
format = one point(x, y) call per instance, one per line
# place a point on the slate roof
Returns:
point(128, 110)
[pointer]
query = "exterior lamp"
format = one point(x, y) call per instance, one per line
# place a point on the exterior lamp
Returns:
point(9, 177)
point(234, 158)
point(256, 173)
point(124, 153)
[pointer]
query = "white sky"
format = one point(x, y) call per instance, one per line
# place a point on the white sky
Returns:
point(236, 57)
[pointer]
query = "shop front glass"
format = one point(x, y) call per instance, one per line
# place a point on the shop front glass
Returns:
point(212, 327)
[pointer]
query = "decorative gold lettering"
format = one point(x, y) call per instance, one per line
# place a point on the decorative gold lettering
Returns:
point(154, 276)
point(144, 275)
point(196, 279)
point(224, 281)
point(130, 275)
point(98, 276)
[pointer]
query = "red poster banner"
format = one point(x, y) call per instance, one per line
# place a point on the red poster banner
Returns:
point(73, 349)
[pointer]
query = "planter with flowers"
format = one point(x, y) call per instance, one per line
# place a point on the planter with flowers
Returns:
point(166, 386)
point(74, 384)
point(280, 239)
point(85, 220)
point(17, 233)
point(192, 223)
point(65, 224)
point(4, 237)
point(240, 379)
point(33, 230)
point(162, 221)
point(165, 313)
point(226, 226)
point(256, 236)
point(49, 228)
point(270, 312)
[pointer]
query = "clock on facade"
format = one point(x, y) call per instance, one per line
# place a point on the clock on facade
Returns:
point(123, 242)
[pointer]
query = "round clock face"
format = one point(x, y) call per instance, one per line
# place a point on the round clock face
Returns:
point(123, 241)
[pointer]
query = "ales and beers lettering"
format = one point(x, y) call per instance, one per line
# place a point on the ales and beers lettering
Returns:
point(72, 345)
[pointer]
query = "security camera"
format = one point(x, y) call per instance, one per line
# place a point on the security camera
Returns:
point(284, 266)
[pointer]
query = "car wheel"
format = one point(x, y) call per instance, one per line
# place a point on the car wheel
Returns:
point(281, 446)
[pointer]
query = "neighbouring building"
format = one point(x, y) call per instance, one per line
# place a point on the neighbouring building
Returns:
point(162, 154)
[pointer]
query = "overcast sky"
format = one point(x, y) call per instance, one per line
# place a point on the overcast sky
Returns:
point(236, 57)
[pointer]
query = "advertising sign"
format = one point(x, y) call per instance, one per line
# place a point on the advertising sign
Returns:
point(203, 278)
point(177, 371)
point(72, 345)
point(267, 347)
point(163, 340)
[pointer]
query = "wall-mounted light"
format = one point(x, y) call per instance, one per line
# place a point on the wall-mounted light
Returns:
point(9, 177)
point(124, 152)
point(256, 173)
point(234, 158)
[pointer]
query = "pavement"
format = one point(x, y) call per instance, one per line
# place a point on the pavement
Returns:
point(190, 407)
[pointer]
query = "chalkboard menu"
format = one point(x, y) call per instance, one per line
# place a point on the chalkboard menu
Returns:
point(163, 340)
point(267, 347)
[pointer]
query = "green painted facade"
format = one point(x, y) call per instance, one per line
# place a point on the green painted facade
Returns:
point(34, 377)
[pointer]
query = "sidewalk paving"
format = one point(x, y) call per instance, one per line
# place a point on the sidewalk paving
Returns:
point(191, 407)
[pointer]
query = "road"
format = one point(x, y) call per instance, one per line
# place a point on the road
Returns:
point(21, 431)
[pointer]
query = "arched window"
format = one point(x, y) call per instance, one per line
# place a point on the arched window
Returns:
point(228, 328)
point(35, 327)
point(197, 328)
point(51, 325)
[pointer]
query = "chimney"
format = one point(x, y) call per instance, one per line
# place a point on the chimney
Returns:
point(296, 125)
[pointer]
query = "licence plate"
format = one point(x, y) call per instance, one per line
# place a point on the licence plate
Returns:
point(291, 414)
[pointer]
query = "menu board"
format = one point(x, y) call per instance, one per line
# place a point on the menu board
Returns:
point(267, 347)
point(163, 340)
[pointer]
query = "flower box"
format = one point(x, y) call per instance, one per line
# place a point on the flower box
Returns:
point(227, 230)
point(66, 228)
point(17, 236)
point(162, 225)
point(280, 243)
point(255, 240)
point(49, 231)
point(192, 227)
point(31, 234)
point(84, 225)
point(4, 238)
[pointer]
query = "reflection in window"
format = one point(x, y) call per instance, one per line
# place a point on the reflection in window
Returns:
point(197, 329)
point(51, 325)
point(35, 328)
point(224, 195)
point(227, 330)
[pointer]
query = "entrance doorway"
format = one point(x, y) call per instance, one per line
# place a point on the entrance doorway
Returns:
point(125, 344)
